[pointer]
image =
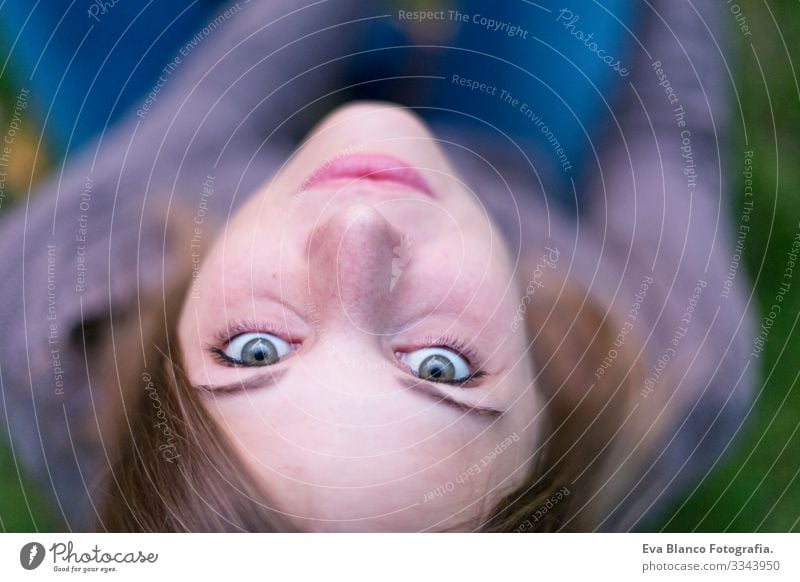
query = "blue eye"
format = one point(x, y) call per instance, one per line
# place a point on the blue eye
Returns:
point(437, 365)
point(256, 349)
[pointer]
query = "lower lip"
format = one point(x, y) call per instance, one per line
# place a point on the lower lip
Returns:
point(379, 169)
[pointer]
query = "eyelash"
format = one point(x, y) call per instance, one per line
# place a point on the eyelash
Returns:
point(449, 342)
point(224, 359)
point(460, 347)
point(224, 337)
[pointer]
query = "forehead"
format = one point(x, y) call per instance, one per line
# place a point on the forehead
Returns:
point(385, 461)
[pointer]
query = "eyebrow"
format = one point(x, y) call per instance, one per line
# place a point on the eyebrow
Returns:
point(256, 382)
point(431, 390)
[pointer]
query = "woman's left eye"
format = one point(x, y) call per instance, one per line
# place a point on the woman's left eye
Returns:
point(437, 365)
point(256, 349)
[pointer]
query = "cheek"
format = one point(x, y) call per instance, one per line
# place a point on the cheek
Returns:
point(483, 269)
point(403, 477)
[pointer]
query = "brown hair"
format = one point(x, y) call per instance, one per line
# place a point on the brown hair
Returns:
point(571, 335)
point(174, 470)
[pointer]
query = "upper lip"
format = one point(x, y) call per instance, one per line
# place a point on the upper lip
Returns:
point(373, 167)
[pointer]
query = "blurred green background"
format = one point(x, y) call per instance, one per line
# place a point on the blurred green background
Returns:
point(757, 486)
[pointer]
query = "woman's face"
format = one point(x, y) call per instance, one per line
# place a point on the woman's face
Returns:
point(350, 330)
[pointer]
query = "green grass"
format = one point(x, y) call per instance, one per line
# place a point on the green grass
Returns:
point(757, 487)
point(22, 508)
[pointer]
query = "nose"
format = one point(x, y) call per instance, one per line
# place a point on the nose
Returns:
point(352, 256)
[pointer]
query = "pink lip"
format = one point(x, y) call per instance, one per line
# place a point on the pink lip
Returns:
point(378, 168)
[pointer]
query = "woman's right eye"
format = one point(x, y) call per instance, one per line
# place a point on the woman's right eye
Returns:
point(256, 349)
